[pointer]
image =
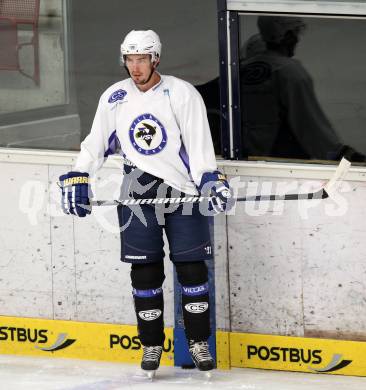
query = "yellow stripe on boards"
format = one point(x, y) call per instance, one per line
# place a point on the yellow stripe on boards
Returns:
point(80, 340)
point(120, 343)
point(223, 350)
point(298, 354)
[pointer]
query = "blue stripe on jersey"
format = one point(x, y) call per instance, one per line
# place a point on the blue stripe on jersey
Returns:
point(114, 145)
point(193, 291)
point(147, 293)
point(184, 157)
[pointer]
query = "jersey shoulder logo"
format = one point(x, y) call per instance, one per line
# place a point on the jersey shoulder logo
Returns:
point(148, 135)
point(256, 73)
point(117, 95)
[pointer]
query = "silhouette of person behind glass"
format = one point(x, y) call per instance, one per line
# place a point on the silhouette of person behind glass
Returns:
point(280, 114)
point(253, 46)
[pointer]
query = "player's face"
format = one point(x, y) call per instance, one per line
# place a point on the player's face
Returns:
point(140, 67)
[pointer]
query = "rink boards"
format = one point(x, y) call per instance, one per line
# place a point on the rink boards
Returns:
point(120, 343)
point(71, 339)
point(298, 354)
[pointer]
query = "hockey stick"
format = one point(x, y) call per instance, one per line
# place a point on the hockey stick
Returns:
point(322, 193)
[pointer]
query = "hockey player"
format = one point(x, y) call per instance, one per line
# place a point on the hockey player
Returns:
point(159, 125)
point(281, 115)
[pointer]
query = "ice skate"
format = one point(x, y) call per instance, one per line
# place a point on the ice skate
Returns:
point(201, 356)
point(151, 359)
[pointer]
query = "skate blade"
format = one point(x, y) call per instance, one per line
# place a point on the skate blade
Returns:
point(150, 374)
point(207, 374)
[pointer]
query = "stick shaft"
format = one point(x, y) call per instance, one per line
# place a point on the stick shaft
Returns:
point(322, 193)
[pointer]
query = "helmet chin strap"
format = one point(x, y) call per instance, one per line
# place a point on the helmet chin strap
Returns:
point(154, 66)
point(151, 73)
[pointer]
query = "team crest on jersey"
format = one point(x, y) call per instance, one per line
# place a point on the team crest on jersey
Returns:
point(147, 134)
point(117, 95)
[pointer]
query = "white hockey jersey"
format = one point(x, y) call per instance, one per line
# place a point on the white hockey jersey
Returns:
point(163, 131)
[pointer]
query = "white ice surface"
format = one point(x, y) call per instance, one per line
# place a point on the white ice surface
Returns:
point(18, 373)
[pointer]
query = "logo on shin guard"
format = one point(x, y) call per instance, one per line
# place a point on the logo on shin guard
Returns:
point(149, 315)
point(196, 307)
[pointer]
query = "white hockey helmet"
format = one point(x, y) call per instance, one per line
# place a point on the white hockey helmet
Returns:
point(274, 28)
point(141, 42)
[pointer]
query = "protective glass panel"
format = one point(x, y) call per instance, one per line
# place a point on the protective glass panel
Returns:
point(35, 104)
point(300, 1)
point(302, 87)
point(58, 56)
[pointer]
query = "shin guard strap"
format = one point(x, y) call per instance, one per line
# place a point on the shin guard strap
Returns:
point(152, 292)
point(193, 291)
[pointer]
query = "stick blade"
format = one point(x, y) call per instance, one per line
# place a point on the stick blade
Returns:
point(337, 177)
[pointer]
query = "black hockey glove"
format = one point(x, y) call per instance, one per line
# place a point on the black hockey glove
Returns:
point(75, 193)
point(216, 185)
